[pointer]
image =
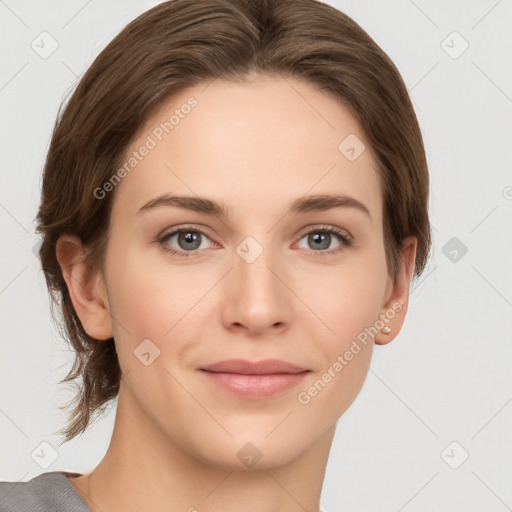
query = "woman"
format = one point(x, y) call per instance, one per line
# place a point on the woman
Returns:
point(277, 141)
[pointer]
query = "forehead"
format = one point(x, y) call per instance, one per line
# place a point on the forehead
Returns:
point(252, 146)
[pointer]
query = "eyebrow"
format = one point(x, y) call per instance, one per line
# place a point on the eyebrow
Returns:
point(319, 202)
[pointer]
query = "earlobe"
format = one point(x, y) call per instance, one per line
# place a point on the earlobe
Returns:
point(86, 288)
point(396, 298)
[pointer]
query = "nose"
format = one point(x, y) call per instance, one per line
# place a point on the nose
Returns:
point(255, 298)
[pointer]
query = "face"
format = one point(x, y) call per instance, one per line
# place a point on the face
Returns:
point(276, 273)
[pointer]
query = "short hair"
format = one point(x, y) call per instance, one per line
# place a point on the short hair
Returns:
point(182, 43)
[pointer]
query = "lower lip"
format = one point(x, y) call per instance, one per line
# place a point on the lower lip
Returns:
point(256, 386)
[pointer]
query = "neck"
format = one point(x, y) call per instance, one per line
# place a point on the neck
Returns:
point(144, 469)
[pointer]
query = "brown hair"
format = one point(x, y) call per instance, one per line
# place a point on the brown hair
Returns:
point(181, 43)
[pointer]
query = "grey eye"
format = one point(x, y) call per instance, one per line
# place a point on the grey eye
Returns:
point(319, 240)
point(187, 240)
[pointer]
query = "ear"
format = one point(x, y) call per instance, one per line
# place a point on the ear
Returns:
point(396, 298)
point(86, 287)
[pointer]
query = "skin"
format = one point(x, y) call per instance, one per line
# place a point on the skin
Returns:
point(255, 147)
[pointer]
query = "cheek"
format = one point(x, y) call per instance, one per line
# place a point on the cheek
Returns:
point(348, 305)
point(153, 299)
point(347, 302)
point(345, 299)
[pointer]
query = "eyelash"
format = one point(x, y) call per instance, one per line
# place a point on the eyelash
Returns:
point(346, 240)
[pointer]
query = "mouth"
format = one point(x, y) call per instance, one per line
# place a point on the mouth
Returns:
point(254, 379)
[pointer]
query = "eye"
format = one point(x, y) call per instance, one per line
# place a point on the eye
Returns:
point(188, 240)
point(320, 239)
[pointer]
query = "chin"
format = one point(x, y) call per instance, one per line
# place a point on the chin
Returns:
point(252, 451)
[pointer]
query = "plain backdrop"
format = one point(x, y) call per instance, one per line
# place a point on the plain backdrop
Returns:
point(431, 427)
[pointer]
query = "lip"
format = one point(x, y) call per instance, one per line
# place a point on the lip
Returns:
point(264, 367)
point(255, 379)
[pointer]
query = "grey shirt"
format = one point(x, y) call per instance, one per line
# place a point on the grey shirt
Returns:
point(48, 492)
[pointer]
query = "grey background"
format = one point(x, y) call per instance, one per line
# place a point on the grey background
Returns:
point(445, 378)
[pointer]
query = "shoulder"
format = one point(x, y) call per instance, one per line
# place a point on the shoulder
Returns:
point(45, 493)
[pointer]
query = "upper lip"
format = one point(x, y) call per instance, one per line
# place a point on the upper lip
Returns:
point(243, 366)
